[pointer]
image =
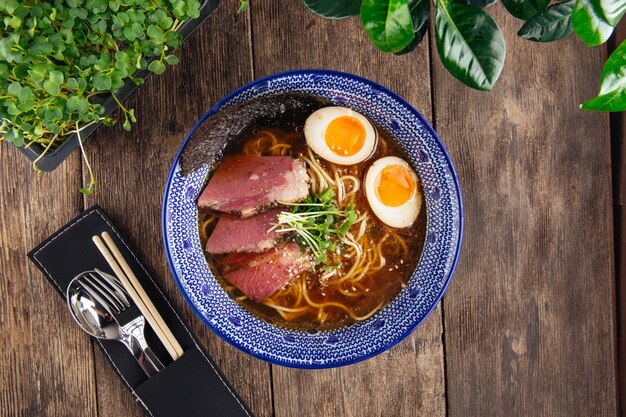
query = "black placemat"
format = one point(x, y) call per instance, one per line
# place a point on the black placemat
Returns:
point(191, 386)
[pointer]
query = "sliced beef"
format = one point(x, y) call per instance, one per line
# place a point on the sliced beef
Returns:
point(260, 275)
point(206, 143)
point(234, 234)
point(245, 184)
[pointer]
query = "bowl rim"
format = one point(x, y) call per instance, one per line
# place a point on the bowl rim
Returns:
point(218, 105)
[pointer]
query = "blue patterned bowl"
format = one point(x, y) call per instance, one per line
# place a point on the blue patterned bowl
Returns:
point(392, 323)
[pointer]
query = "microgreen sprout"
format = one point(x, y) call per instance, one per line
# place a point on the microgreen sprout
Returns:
point(318, 223)
point(243, 6)
point(60, 59)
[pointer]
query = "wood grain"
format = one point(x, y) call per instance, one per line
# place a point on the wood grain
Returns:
point(131, 169)
point(408, 380)
point(618, 152)
point(46, 361)
point(529, 317)
point(529, 320)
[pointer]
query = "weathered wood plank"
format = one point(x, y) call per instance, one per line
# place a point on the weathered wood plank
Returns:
point(46, 361)
point(408, 380)
point(131, 169)
point(529, 321)
point(618, 137)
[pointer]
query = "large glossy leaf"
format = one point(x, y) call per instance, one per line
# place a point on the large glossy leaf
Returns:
point(334, 9)
point(478, 3)
point(612, 96)
point(589, 23)
point(387, 23)
point(470, 44)
point(525, 9)
point(612, 10)
point(420, 12)
point(552, 24)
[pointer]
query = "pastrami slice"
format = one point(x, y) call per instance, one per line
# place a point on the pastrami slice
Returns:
point(245, 184)
point(234, 234)
point(261, 275)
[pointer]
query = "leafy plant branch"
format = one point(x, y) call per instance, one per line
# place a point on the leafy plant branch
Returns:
point(470, 43)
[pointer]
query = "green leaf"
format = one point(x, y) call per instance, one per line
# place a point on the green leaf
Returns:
point(77, 104)
point(72, 83)
point(56, 76)
point(525, 9)
point(40, 48)
point(14, 89)
point(334, 9)
point(612, 96)
point(420, 12)
point(589, 23)
point(101, 82)
point(155, 32)
point(552, 24)
point(26, 94)
point(53, 88)
point(172, 59)
point(614, 101)
point(478, 3)
point(157, 67)
point(387, 23)
point(612, 10)
point(172, 39)
point(470, 44)
point(86, 191)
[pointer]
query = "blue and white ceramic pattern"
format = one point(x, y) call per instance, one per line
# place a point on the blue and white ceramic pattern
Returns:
point(392, 323)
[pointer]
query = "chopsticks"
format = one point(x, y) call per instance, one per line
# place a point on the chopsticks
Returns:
point(126, 275)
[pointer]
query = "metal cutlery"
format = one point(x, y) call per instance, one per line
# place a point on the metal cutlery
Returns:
point(102, 307)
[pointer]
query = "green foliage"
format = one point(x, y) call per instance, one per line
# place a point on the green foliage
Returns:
point(334, 9)
point(478, 3)
point(420, 10)
point(525, 9)
point(470, 44)
point(590, 24)
point(388, 23)
point(612, 96)
point(552, 24)
point(59, 58)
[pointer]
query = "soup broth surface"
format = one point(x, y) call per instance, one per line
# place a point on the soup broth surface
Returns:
point(314, 301)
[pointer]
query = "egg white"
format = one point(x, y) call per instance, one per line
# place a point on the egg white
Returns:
point(315, 130)
point(400, 216)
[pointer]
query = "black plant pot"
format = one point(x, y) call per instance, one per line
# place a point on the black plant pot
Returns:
point(53, 158)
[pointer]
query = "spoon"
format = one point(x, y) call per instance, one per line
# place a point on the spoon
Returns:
point(94, 315)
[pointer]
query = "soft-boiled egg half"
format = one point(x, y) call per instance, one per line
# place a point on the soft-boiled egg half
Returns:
point(393, 191)
point(340, 135)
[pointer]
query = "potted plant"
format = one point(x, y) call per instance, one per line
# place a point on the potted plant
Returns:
point(66, 66)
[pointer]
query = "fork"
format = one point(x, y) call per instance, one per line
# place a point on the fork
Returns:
point(108, 291)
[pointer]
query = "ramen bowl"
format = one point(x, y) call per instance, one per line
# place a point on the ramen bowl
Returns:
point(355, 342)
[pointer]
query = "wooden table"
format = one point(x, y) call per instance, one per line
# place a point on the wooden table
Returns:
point(528, 326)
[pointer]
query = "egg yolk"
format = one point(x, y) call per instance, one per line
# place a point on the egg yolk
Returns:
point(395, 185)
point(345, 136)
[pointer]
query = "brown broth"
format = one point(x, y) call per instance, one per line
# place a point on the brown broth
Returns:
point(374, 289)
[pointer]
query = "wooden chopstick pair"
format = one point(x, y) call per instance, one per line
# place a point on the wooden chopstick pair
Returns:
point(125, 274)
